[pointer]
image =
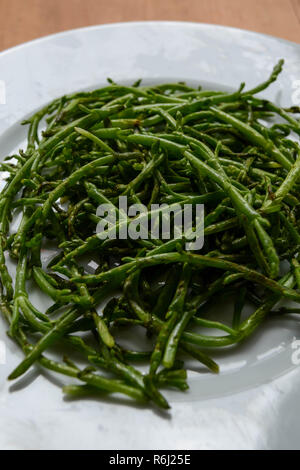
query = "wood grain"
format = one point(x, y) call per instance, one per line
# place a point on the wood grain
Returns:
point(23, 20)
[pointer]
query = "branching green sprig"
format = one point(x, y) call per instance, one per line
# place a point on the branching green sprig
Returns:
point(167, 144)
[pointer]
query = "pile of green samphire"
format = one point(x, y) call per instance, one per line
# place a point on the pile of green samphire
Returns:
point(233, 152)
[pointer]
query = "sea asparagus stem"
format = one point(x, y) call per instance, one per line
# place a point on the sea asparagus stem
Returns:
point(284, 189)
point(82, 172)
point(242, 208)
point(173, 313)
point(112, 386)
point(273, 77)
point(47, 340)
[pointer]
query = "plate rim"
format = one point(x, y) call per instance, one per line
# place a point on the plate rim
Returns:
point(139, 23)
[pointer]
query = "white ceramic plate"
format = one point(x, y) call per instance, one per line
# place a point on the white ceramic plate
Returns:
point(254, 402)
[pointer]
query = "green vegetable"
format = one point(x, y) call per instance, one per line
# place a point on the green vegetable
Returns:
point(167, 144)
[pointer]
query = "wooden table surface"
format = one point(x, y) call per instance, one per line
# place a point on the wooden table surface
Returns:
point(23, 20)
